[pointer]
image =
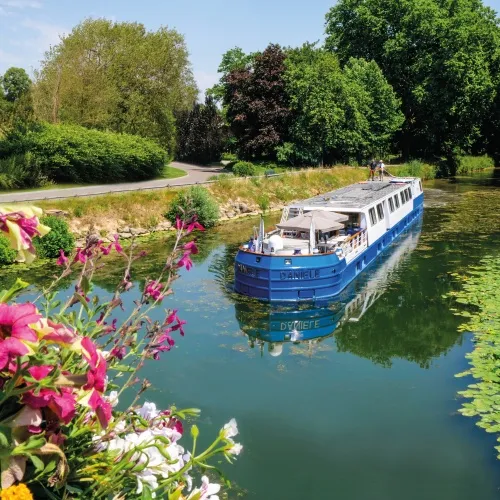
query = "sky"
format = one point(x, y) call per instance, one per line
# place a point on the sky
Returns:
point(29, 27)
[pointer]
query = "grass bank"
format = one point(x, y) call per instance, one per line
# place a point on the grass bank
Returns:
point(146, 208)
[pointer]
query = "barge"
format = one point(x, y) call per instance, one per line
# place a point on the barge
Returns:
point(321, 244)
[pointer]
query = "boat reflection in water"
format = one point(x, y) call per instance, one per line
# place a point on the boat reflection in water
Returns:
point(276, 325)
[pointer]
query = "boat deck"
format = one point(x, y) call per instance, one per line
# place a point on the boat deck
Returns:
point(356, 196)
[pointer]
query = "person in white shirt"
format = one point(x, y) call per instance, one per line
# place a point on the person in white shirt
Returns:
point(381, 170)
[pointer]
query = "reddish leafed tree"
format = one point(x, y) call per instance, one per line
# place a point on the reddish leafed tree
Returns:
point(257, 105)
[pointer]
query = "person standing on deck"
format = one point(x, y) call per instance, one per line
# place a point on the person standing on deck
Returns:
point(381, 170)
point(372, 166)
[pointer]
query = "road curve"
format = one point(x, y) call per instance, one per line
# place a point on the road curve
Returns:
point(195, 174)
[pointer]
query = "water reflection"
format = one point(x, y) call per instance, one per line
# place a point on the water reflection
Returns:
point(277, 325)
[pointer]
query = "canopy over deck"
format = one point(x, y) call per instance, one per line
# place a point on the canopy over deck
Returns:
point(323, 221)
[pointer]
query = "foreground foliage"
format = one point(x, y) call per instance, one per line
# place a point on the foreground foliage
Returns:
point(478, 303)
point(64, 367)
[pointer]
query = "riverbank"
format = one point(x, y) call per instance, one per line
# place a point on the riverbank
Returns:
point(141, 213)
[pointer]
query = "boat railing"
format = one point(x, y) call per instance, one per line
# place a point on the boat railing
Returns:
point(355, 243)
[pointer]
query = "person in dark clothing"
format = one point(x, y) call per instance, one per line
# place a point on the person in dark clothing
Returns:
point(373, 167)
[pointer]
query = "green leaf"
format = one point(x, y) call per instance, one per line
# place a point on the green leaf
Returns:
point(38, 463)
point(6, 295)
point(122, 368)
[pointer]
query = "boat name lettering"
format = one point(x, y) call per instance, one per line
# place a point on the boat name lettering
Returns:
point(304, 274)
point(299, 325)
point(250, 271)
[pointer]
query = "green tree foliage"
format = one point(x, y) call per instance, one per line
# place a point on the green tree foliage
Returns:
point(256, 103)
point(7, 255)
point(15, 83)
point(338, 113)
point(233, 59)
point(441, 58)
point(16, 105)
point(195, 201)
point(201, 133)
point(119, 77)
point(70, 153)
point(59, 238)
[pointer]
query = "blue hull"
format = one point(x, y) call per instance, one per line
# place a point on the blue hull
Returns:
point(310, 277)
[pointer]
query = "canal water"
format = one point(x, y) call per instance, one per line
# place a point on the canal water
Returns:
point(354, 399)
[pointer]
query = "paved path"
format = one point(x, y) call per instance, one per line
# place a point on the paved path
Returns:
point(195, 174)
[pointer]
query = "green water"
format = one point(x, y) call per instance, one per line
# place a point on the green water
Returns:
point(369, 410)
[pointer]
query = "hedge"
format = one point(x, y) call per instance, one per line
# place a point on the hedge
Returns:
point(59, 238)
point(70, 153)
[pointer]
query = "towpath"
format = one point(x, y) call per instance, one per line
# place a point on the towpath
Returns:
point(195, 174)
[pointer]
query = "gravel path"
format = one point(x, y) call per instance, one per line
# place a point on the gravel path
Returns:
point(195, 174)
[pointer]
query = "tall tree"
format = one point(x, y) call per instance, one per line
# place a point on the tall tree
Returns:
point(117, 76)
point(438, 55)
point(15, 83)
point(256, 104)
point(202, 133)
point(338, 114)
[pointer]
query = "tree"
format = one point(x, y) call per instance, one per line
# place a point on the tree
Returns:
point(233, 59)
point(440, 57)
point(338, 114)
point(256, 103)
point(15, 83)
point(117, 76)
point(202, 133)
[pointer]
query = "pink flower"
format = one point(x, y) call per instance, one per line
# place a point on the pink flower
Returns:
point(154, 290)
point(62, 404)
point(116, 244)
point(172, 317)
point(40, 372)
point(185, 261)
point(101, 407)
point(15, 321)
point(178, 223)
point(179, 326)
point(96, 376)
point(11, 349)
point(58, 334)
point(62, 260)
point(191, 247)
point(195, 225)
point(80, 256)
point(118, 352)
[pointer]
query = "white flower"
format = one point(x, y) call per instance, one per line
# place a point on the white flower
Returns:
point(113, 398)
point(148, 411)
point(230, 429)
point(146, 477)
point(207, 491)
point(235, 449)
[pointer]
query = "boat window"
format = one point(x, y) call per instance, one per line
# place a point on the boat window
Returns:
point(396, 200)
point(403, 197)
point(380, 211)
point(373, 217)
point(410, 196)
point(391, 205)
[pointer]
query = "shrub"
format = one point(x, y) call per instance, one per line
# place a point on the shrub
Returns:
point(244, 169)
point(70, 153)
point(229, 157)
point(194, 201)
point(21, 170)
point(59, 238)
point(7, 255)
point(415, 168)
point(468, 164)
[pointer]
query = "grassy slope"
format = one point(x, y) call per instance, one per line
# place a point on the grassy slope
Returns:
point(146, 208)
